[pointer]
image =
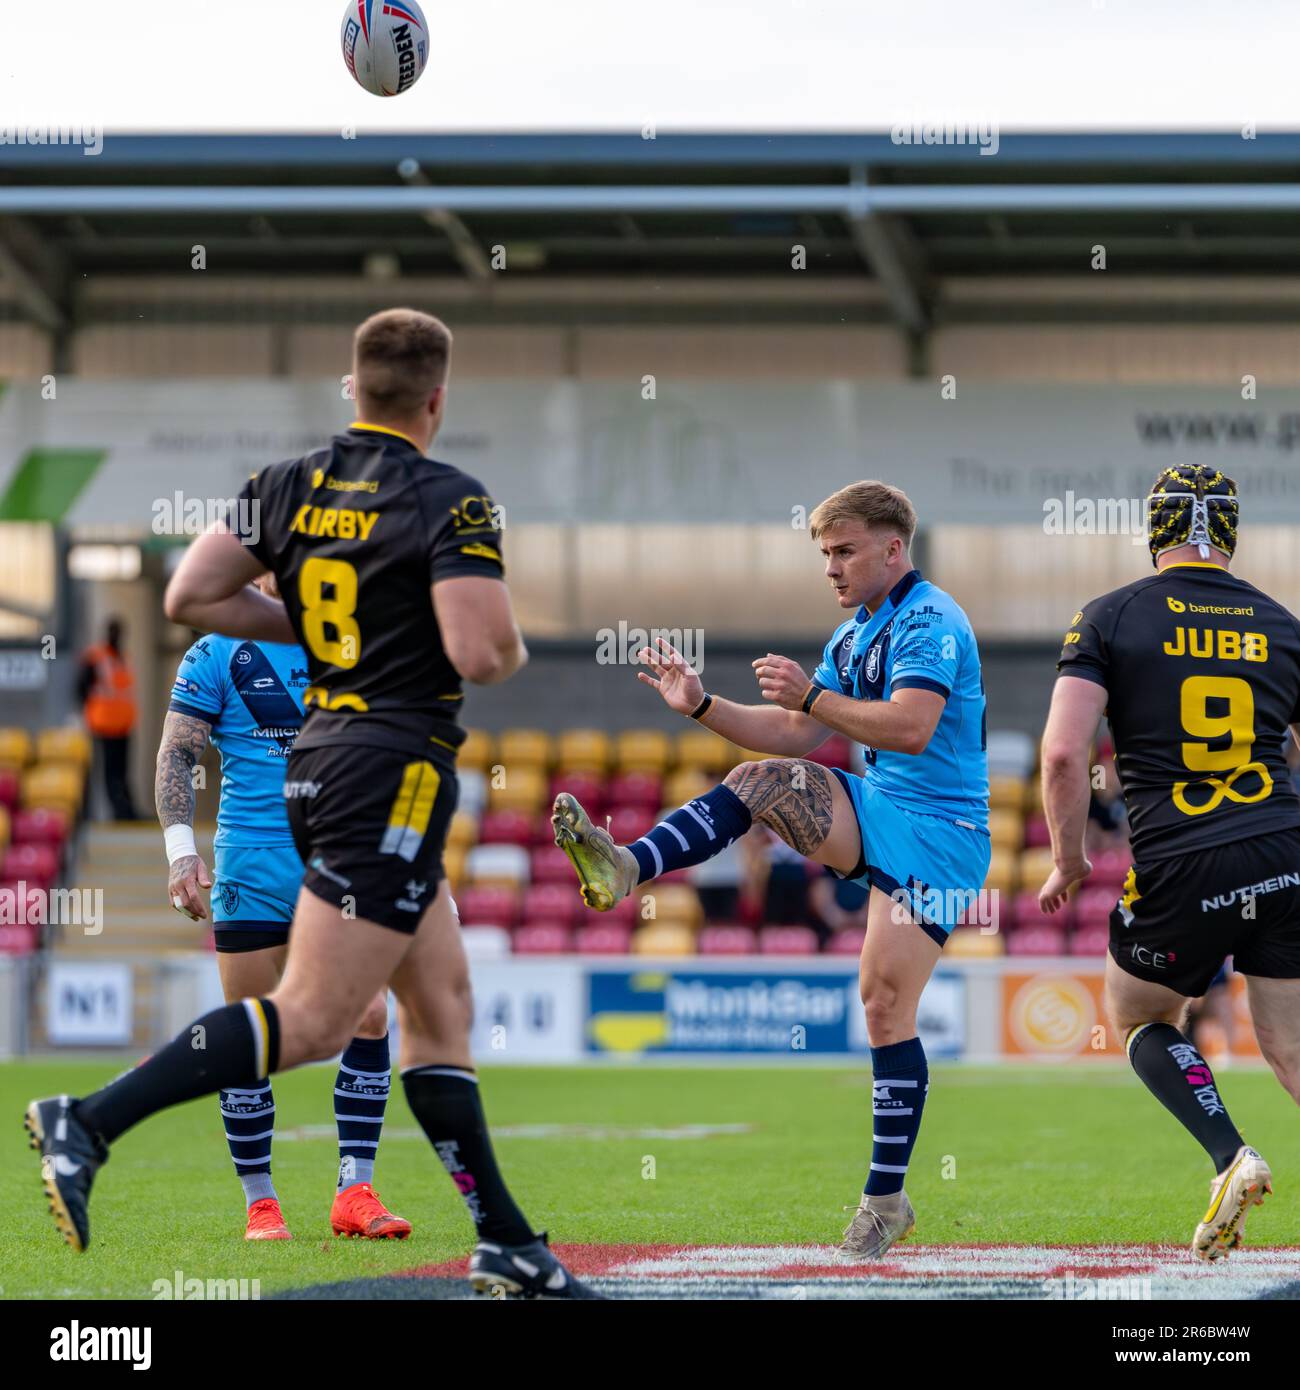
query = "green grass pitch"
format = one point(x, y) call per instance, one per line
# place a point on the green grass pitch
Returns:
point(1026, 1155)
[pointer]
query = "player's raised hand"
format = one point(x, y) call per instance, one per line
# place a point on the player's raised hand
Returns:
point(184, 879)
point(674, 677)
point(781, 681)
point(1052, 896)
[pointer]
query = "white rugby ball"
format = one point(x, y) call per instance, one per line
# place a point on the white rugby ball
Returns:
point(385, 44)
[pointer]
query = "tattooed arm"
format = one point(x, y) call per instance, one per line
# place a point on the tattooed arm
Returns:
point(184, 741)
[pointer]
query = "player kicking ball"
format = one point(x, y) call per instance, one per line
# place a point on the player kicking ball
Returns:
point(244, 696)
point(1198, 673)
point(902, 677)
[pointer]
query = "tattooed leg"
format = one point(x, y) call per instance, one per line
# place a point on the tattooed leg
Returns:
point(806, 806)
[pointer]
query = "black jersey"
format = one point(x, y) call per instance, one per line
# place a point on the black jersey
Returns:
point(1202, 671)
point(356, 533)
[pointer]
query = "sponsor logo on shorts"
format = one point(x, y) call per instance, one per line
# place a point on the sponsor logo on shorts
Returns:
point(1152, 960)
point(414, 892)
point(229, 894)
point(297, 789)
point(1243, 895)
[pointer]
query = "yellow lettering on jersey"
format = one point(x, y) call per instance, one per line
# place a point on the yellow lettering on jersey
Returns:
point(317, 696)
point(1071, 637)
point(343, 523)
point(1227, 643)
point(486, 552)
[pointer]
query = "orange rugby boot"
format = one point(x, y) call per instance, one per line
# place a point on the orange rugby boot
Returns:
point(357, 1211)
point(266, 1221)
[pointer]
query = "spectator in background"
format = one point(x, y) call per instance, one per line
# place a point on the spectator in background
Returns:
point(1107, 818)
point(106, 689)
point(774, 888)
point(837, 904)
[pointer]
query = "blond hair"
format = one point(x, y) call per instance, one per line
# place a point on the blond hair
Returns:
point(872, 503)
point(400, 357)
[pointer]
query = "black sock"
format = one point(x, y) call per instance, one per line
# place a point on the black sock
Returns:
point(693, 833)
point(232, 1047)
point(1177, 1075)
point(446, 1102)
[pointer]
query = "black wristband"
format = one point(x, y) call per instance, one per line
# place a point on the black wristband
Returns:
point(702, 708)
point(810, 699)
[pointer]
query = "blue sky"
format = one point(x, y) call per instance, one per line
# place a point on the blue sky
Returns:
point(680, 64)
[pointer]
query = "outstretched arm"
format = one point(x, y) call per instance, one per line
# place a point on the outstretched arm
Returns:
point(782, 732)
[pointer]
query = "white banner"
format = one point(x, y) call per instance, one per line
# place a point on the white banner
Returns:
point(89, 1004)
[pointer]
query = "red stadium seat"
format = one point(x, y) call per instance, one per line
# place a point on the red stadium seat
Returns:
point(604, 939)
point(787, 941)
point(641, 791)
point(588, 787)
point(551, 865)
point(1025, 913)
point(847, 942)
point(1110, 868)
point(553, 902)
point(36, 863)
point(1037, 835)
point(506, 828)
point(541, 939)
point(628, 823)
point(1093, 906)
point(18, 940)
point(835, 752)
point(727, 941)
point(487, 906)
point(9, 785)
point(40, 826)
point(1046, 940)
point(1090, 941)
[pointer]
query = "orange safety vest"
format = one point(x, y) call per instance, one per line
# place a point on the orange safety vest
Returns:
point(110, 706)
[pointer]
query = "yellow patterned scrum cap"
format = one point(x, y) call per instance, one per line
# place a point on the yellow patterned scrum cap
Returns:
point(1190, 504)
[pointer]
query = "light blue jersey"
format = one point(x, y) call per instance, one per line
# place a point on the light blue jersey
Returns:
point(251, 694)
point(919, 639)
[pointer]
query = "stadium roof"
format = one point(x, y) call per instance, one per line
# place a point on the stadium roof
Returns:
point(1194, 226)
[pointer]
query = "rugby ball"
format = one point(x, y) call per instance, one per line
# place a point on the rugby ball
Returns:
point(385, 44)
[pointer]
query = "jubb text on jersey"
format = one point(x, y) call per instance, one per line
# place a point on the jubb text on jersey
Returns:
point(1223, 642)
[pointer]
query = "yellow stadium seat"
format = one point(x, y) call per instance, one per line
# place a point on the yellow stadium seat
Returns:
point(476, 751)
point(5, 828)
point(1034, 797)
point(524, 748)
point(1004, 871)
point(64, 745)
point(520, 789)
point(685, 785)
point(53, 786)
point(972, 944)
point(1006, 829)
point(463, 830)
point(583, 750)
point(15, 747)
point(453, 865)
point(676, 903)
point(1035, 865)
point(663, 939)
point(643, 750)
point(1006, 793)
point(703, 749)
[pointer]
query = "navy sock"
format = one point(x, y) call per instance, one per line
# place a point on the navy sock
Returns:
point(233, 1046)
point(900, 1080)
point(693, 833)
point(360, 1097)
point(446, 1102)
point(1176, 1074)
point(249, 1120)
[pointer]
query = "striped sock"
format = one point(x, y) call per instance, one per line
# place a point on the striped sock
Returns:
point(249, 1119)
point(900, 1080)
point(693, 833)
point(360, 1098)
